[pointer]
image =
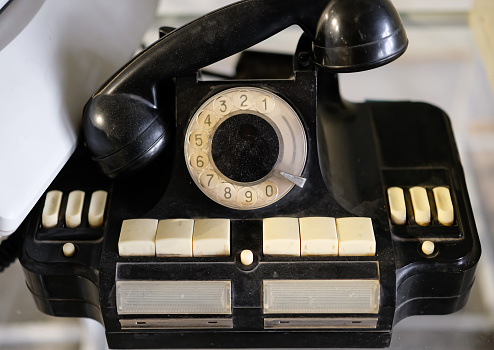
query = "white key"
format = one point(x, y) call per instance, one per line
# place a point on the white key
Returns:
point(444, 206)
point(281, 236)
point(73, 213)
point(174, 237)
point(356, 237)
point(51, 210)
point(211, 237)
point(421, 206)
point(137, 237)
point(397, 205)
point(318, 236)
point(97, 207)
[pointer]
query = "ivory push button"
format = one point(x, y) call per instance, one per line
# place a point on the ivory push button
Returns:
point(428, 247)
point(281, 236)
point(246, 257)
point(397, 207)
point(97, 207)
point(444, 206)
point(73, 213)
point(356, 237)
point(211, 237)
point(51, 210)
point(137, 237)
point(68, 249)
point(174, 237)
point(421, 206)
point(318, 236)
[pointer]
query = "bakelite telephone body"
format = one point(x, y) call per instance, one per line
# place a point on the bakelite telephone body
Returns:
point(256, 212)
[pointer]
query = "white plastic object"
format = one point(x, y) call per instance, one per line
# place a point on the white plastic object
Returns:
point(281, 236)
point(174, 237)
point(444, 206)
point(48, 72)
point(137, 237)
point(51, 210)
point(397, 207)
point(97, 206)
point(173, 297)
point(421, 206)
point(211, 237)
point(73, 212)
point(356, 236)
point(318, 236)
point(321, 296)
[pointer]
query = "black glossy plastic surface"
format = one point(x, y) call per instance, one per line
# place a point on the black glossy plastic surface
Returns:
point(359, 35)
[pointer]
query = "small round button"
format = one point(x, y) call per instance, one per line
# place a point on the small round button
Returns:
point(246, 257)
point(428, 247)
point(68, 249)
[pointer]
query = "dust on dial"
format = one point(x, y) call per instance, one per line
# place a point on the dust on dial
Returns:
point(243, 145)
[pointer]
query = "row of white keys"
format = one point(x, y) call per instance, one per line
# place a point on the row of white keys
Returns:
point(421, 205)
point(73, 211)
point(319, 236)
point(175, 237)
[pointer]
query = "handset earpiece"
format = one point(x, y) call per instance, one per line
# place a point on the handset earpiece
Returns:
point(123, 127)
point(351, 38)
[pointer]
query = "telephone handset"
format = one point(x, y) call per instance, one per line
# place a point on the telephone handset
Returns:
point(124, 124)
point(277, 215)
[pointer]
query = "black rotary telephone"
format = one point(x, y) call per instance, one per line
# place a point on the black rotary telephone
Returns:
point(256, 212)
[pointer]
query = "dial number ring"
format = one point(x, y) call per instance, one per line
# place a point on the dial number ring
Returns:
point(230, 103)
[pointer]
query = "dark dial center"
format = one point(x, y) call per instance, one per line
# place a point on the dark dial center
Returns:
point(245, 148)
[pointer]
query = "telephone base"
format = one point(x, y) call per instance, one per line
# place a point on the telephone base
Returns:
point(93, 281)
